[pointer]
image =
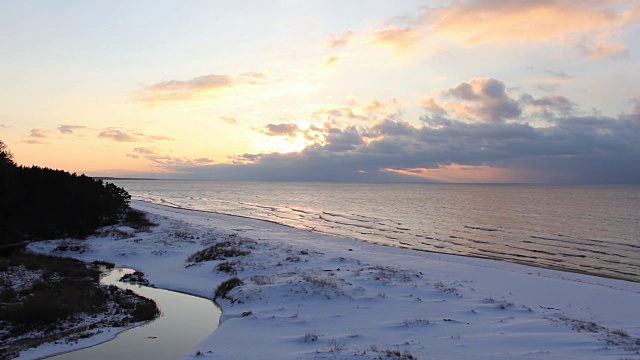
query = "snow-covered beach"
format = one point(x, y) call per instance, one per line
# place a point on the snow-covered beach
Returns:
point(308, 295)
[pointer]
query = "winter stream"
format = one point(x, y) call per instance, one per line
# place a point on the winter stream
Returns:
point(186, 320)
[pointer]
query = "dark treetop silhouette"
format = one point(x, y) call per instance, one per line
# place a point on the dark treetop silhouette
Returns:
point(39, 203)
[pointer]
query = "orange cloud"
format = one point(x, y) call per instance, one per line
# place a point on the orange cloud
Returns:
point(331, 60)
point(603, 45)
point(375, 106)
point(353, 110)
point(430, 104)
point(596, 27)
point(400, 39)
point(507, 21)
point(118, 135)
point(287, 129)
point(198, 87)
point(340, 40)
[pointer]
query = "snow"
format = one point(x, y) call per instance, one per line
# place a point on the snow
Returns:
point(313, 296)
point(62, 346)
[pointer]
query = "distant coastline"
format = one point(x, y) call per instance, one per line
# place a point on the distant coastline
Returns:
point(120, 178)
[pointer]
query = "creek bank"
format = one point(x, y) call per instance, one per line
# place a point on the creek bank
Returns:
point(186, 320)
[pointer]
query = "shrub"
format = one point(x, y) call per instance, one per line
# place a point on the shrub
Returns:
point(219, 251)
point(621, 333)
point(137, 220)
point(226, 267)
point(310, 337)
point(7, 294)
point(226, 286)
point(106, 264)
point(335, 346)
point(136, 277)
point(73, 289)
point(36, 310)
point(140, 308)
point(394, 354)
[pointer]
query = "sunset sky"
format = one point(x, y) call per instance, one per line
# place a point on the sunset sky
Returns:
point(460, 91)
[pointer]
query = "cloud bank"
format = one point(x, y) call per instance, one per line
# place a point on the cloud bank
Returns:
point(574, 149)
point(477, 125)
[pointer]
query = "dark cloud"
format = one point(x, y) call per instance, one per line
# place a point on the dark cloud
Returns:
point(38, 136)
point(229, 120)
point(39, 133)
point(281, 129)
point(550, 105)
point(574, 149)
point(69, 129)
point(146, 151)
point(393, 128)
point(203, 161)
point(159, 160)
point(487, 100)
point(118, 135)
point(339, 140)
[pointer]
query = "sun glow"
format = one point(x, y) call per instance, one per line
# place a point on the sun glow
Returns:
point(262, 143)
point(456, 173)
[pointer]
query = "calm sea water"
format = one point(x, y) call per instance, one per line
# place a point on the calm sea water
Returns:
point(591, 229)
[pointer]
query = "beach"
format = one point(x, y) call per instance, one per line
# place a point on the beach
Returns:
point(308, 295)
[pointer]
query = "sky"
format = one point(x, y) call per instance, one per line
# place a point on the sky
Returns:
point(537, 91)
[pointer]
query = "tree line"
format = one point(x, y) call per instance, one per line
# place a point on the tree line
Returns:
point(39, 203)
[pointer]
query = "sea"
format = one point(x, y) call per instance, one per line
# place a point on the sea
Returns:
point(592, 229)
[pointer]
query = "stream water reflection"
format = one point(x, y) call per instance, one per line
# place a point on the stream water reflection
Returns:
point(186, 320)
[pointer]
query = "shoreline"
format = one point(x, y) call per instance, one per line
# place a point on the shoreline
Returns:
point(309, 295)
point(406, 245)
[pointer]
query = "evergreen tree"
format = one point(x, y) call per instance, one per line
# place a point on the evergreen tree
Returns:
point(6, 157)
point(39, 203)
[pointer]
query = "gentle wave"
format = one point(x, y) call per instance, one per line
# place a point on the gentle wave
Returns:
point(572, 228)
